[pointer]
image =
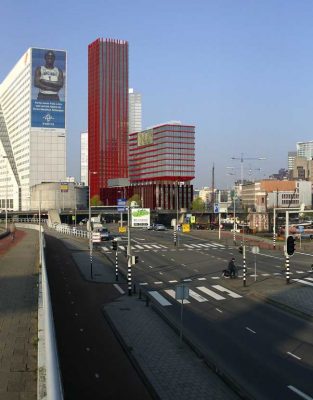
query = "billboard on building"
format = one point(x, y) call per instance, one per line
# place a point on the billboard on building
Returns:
point(145, 137)
point(48, 88)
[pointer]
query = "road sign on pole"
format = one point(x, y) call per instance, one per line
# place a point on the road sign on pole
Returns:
point(216, 208)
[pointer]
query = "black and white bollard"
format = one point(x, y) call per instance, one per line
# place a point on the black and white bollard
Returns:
point(287, 270)
point(116, 266)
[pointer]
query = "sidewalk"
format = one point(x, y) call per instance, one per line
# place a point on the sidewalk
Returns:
point(18, 317)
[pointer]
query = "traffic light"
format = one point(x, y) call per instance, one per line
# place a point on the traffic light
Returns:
point(290, 245)
point(240, 249)
point(114, 245)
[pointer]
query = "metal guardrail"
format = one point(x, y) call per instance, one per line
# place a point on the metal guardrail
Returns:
point(49, 384)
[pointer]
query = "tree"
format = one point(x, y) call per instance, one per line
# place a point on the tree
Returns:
point(198, 205)
point(135, 198)
point(95, 201)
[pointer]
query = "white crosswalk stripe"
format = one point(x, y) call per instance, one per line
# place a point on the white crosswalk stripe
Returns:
point(303, 281)
point(197, 296)
point(229, 292)
point(210, 293)
point(159, 298)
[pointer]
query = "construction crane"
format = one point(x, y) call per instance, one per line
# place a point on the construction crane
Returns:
point(242, 159)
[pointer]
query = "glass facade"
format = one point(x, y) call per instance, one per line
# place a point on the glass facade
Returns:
point(169, 155)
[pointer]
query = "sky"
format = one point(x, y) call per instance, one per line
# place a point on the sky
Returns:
point(241, 71)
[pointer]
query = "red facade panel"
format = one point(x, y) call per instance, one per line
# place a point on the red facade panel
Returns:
point(107, 112)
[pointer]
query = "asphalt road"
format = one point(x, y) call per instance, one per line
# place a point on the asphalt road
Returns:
point(264, 350)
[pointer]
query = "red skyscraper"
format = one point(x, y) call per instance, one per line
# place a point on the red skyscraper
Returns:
point(107, 112)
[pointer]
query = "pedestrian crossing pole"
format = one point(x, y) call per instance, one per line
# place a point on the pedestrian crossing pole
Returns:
point(116, 265)
point(274, 240)
point(129, 257)
point(287, 269)
point(175, 235)
point(244, 265)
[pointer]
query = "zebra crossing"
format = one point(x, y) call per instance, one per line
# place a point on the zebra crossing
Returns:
point(198, 294)
point(306, 281)
point(159, 247)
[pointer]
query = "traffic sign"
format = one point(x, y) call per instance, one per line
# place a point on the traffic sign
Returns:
point(121, 203)
point(96, 237)
point(122, 229)
point(181, 292)
point(216, 208)
point(186, 228)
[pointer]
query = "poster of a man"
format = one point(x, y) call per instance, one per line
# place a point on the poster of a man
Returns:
point(48, 78)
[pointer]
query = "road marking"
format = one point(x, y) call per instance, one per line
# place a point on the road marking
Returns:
point(301, 394)
point(139, 247)
point(215, 277)
point(309, 279)
point(172, 259)
point(265, 274)
point(150, 266)
point(143, 283)
point(201, 279)
point(218, 244)
point(211, 293)
point(187, 245)
point(197, 296)
point(220, 311)
point(250, 330)
point(117, 287)
point(172, 293)
point(293, 355)
point(161, 273)
point(158, 283)
point(300, 272)
point(147, 246)
point(184, 265)
point(159, 298)
point(229, 292)
point(174, 281)
point(187, 280)
point(105, 249)
point(303, 281)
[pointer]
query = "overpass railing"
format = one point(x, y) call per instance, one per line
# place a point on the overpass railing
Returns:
point(49, 384)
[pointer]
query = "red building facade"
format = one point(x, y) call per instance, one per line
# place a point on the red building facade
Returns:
point(107, 112)
point(164, 153)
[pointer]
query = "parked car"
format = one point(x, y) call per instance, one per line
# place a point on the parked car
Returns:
point(104, 234)
point(159, 227)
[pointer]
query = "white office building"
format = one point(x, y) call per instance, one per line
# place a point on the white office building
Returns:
point(32, 126)
point(134, 111)
point(84, 158)
point(305, 149)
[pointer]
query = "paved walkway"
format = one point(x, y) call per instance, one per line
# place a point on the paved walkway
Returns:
point(18, 317)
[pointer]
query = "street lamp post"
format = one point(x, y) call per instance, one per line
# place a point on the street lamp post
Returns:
point(89, 224)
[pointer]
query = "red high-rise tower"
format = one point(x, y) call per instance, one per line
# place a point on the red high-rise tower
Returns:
point(107, 112)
